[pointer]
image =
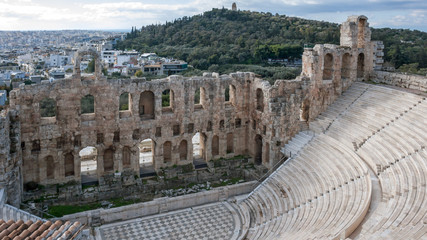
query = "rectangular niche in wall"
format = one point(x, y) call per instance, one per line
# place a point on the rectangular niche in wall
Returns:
point(176, 130)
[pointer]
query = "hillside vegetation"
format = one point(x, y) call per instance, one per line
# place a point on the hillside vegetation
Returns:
point(224, 37)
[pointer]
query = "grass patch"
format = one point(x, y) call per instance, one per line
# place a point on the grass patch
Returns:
point(61, 210)
point(227, 182)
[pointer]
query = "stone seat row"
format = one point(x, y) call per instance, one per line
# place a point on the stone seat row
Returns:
point(405, 214)
point(338, 107)
point(394, 136)
point(316, 177)
point(297, 143)
point(364, 106)
point(325, 216)
point(366, 124)
point(325, 190)
point(402, 171)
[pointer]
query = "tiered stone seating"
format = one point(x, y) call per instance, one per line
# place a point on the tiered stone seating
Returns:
point(324, 190)
point(297, 143)
point(316, 191)
point(325, 119)
point(393, 151)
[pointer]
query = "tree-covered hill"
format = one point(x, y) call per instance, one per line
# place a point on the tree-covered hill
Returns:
point(223, 36)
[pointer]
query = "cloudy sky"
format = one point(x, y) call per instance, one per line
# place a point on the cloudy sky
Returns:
point(122, 14)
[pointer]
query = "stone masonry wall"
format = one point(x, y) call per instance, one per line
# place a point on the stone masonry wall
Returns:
point(10, 157)
point(416, 82)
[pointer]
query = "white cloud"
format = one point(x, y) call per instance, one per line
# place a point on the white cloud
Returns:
point(61, 14)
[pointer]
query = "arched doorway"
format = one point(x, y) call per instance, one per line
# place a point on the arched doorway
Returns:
point(360, 65)
point(183, 150)
point(328, 67)
point(199, 156)
point(215, 146)
point(88, 166)
point(50, 167)
point(109, 160)
point(167, 152)
point(126, 157)
point(146, 158)
point(230, 143)
point(345, 66)
point(258, 150)
point(69, 164)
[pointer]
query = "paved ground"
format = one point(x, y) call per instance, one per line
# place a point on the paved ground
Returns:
point(213, 221)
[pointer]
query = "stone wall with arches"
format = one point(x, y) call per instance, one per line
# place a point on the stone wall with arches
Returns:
point(235, 114)
point(57, 138)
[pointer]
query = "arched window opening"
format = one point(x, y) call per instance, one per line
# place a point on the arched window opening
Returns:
point(108, 160)
point(88, 165)
point(197, 100)
point(233, 95)
point(215, 146)
point(167, 152)
point(258, 149)
point(50, 167)
point(146, 105)
point(230, 143)
point(124, 102)
point(87, 104)
point(197, 96)
point(259, 100)
point(166, 98)
point(328, 67)
point(227, 94)
point(87, 63)
point(48, 107)
point(183, 150)
point(203, 97)
point(345, 66)
point(69, 164)
point(126, 157)
point(360, 65)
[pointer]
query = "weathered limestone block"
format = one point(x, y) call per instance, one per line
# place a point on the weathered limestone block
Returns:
point(409, 81)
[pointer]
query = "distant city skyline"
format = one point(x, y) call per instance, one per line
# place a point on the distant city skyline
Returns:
point(110, 14)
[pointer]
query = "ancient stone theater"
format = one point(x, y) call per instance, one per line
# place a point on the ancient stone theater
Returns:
point(345, 145)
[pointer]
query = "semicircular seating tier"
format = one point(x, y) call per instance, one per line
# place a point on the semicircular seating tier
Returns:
point(368, 153)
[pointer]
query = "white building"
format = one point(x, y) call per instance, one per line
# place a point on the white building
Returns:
point(127, 58)
point(59, 60)
point(109, 57)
